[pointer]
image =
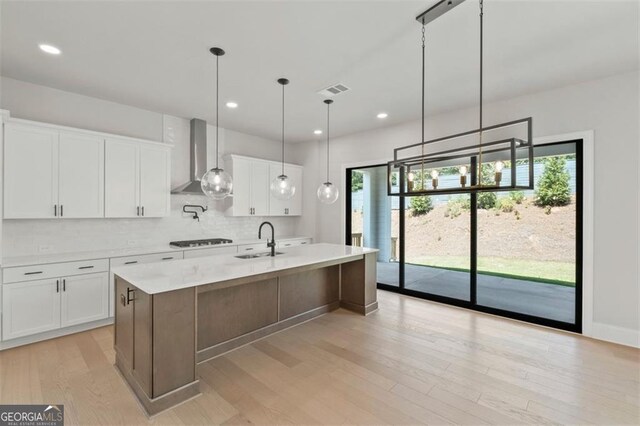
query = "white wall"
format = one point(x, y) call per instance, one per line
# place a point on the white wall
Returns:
point(608, 106)
point(39, 103)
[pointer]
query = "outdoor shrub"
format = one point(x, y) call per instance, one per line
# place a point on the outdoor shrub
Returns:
point(455, 207)
point(487, 200)
point(506, 205)
point(553, 187)
point(420, 205)
point(517, 197)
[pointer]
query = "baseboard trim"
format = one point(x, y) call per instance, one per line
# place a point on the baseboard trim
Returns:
point(615, 334)
point(34, 338)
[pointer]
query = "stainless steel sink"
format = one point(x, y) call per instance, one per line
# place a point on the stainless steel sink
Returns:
point(255, 255)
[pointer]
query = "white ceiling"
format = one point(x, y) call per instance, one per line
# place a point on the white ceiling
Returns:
point(154, 55)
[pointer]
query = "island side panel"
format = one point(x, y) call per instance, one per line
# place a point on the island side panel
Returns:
point(174, 341)
point(229, 312)
point(308, 290)
point(358, 284)
point(143, 344)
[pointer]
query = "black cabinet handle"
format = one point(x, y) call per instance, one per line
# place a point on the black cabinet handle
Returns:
point(131, 262)
point(64, 285)
point(138, 211)
point(57, 286)
point(142, 210)
point(61, 210)
point(55, 210)
point(129, 298)
point(33, 273)
point(86, 267)
point(167, 258)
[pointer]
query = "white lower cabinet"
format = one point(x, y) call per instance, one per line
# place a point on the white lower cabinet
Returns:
point(30, 307)
point(85, 298)
point(67, 294)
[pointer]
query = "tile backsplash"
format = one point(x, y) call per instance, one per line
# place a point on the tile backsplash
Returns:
point(34, 237)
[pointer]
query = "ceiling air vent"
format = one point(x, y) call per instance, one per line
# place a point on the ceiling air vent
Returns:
point(334, 90)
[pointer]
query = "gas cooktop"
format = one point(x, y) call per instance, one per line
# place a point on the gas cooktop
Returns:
point(198, 243)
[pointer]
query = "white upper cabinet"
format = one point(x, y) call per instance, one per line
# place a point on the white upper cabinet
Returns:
point(122, 186)
point(137, 179)
point(295, 203)
point(30, 172)
point(155, 181)
point(293, 206)
point(260, 184)
point(81, 176)
point(251, 187)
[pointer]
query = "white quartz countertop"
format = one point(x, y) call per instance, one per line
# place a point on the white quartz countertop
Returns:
point(41, 259)
point(179, 274)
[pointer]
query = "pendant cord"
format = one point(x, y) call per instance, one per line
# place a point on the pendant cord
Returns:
point(283, 129)
point(423, 100)
point(481, 92)
point(328, 105)
point(217, 102)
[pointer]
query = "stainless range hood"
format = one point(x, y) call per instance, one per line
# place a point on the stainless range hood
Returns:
point(198, 158)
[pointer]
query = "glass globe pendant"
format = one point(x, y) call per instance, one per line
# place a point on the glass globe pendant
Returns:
point(327, 192)
point(216, 183)
point(282, 187)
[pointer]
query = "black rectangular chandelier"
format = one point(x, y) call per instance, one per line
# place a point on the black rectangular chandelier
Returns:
point(467, 162)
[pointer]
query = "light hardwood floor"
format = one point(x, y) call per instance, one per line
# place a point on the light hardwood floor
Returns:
point(410, 362)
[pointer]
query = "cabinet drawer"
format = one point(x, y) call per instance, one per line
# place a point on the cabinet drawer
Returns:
point(211, 251)
point(53, 270)
point(146, 258)
point(253, 247)
point(294, 243)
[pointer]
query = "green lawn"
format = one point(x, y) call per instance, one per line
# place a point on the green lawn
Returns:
point(561, 273)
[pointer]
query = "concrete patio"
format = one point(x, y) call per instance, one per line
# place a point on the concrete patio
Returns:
point(542, 300)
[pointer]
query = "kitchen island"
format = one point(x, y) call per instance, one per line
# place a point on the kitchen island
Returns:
point(174, 315)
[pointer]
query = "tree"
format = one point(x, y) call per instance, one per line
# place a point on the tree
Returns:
point(553, 186)
point(420, 205)
point(356, 181)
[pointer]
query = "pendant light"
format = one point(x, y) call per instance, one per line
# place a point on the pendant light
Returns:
point(327, 192)
point(216, 183)
point(511, 141)
point(281, 186)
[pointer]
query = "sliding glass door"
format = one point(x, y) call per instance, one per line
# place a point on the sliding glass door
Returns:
point(516, 254)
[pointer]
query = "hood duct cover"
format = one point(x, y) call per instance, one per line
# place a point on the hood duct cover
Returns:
point(198, 158)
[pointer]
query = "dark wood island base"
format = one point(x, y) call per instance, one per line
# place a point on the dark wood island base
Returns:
point(160, 338)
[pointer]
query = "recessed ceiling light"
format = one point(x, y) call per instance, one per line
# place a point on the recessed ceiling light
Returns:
point(49, 49)
point(317, 132)
point(232, 105)
point(382, 115)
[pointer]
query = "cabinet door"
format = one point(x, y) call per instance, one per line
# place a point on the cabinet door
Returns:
point(122, 186)
point(155, 181)
point(260, 183)
point(295, 203)
point(81, 176)
point(241, 187)
point(30, 172)
point(277, 207)
point(30, 307)
point(85, 298)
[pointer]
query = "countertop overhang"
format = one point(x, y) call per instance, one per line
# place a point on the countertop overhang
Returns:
point(156, 278)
